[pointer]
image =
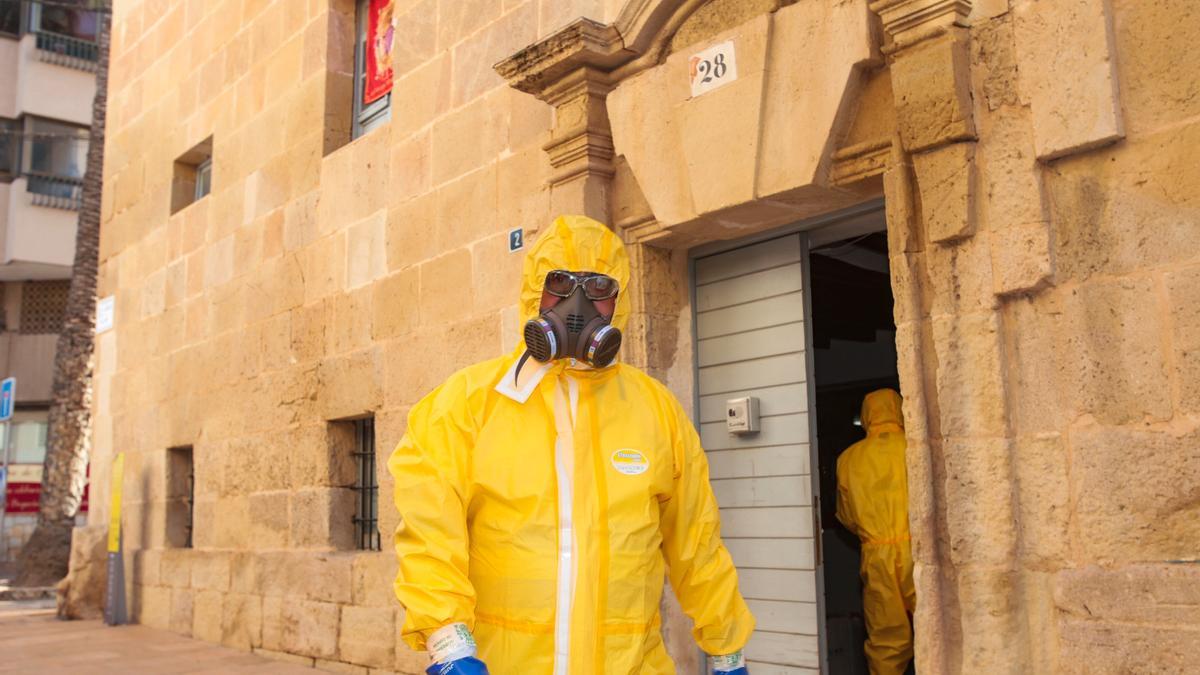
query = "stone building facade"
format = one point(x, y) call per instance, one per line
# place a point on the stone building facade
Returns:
point(1035, 163)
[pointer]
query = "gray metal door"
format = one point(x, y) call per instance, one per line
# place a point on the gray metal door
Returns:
point(750, 334)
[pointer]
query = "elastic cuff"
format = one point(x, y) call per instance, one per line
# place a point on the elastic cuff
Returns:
point(728, 662)
point(450, 643)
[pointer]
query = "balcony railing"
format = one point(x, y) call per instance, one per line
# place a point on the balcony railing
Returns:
point(67, 51)
point(55, 192)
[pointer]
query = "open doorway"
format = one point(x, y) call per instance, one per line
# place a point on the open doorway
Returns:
point(854, 353)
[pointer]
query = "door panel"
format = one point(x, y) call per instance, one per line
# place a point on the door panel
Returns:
point(750, 330)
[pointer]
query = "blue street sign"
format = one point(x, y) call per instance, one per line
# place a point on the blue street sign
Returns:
point(8, 395)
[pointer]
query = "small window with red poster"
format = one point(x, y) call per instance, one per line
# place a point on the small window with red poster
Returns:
point(26, 453)
point(373, 64)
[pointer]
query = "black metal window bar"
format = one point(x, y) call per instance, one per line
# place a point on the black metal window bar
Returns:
point(51, 163)
point(64, 50)
point(366, 517)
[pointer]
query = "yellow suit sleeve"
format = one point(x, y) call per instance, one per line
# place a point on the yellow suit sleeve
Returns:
point(701, 571)
point(430, 468)
point(844, 508)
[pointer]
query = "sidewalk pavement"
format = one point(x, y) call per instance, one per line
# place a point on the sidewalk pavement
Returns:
point(32, 640)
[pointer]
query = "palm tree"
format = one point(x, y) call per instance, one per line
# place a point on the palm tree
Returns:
point(43, 560)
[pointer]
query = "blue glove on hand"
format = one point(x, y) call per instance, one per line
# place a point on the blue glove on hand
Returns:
point(467, 666)
point(730, 664)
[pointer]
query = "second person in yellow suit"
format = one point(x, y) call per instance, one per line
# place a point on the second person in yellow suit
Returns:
point(873, 504)
point(542, 503)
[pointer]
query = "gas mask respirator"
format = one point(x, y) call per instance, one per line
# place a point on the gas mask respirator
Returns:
point(574, 328)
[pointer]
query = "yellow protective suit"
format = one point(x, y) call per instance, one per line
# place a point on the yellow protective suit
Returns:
point(544, 513)
point(873, 504)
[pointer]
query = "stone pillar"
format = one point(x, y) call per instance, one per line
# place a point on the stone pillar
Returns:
point(951, 352)
point(581, 147)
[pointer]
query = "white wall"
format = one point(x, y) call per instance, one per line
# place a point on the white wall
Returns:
point(50, 90)
point(37, 234)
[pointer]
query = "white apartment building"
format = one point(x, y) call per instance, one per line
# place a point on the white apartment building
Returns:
point(48, 54)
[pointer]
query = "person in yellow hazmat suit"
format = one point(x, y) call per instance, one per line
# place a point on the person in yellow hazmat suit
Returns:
point(873, 504)
point(545, 494)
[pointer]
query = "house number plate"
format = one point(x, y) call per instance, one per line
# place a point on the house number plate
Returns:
point(712, 68)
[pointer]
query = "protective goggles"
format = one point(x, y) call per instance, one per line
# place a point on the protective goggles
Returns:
point(595, 286)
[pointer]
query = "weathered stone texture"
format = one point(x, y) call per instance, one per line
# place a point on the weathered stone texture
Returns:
point(366, 635)
point(932, 88)
point(1183, 297)
point(207, 614)
point(310, 628)
point(1115, 349)
point(1021, 258)
point(948, 182)
point(1072, 92)
point(1148, 508)
point(1116, 211)
point(241, 621)
point(182, 608)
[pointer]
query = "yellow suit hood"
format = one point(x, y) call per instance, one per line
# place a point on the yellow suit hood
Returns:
point(881, 409)
point(575, 244)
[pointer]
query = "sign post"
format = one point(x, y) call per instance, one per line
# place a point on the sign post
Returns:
point(8, 396)
point(114, 600)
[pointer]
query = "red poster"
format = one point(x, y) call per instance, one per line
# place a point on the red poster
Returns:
point(23, 497)
point(379, 51)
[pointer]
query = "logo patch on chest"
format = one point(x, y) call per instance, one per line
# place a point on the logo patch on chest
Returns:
point(630, 462)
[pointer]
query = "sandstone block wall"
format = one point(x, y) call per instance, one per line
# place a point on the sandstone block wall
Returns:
point(322, 279)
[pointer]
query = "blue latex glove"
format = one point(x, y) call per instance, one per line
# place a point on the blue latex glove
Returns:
point(467, 666)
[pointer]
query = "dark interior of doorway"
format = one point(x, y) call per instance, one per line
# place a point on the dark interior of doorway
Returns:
point(854, 353)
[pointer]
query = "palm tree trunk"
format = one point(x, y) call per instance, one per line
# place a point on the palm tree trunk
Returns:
point(43, 560)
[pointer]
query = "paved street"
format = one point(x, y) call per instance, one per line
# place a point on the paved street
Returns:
point(33, 641)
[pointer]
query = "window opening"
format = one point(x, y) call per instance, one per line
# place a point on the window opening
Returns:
point(29, 429)
point(65, 35)
point(55, 158)
point(10, 17)
point(366, 486)
point(372, 65)
point(181, 497)
point(193, 178)
point(10, 148)
point(203, 179)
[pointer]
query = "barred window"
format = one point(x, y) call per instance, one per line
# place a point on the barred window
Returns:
point(366, 516)
point(43, 305)
point(181, 497)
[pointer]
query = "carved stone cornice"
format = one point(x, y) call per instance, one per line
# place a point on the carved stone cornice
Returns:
point(582, 44)
point(911, 21)
point(860, 161)
point(581, 142)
